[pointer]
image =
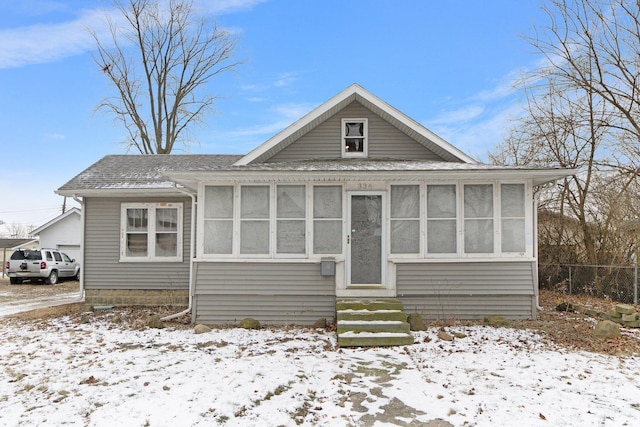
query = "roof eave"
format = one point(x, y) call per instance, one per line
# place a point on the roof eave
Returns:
point(537, 176)
point(120, 192)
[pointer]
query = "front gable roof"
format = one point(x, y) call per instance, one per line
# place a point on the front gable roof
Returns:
point(355, 93)
point(72, 211)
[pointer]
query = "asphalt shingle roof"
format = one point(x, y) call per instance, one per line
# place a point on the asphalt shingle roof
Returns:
point(142, 171)
point(152, 172)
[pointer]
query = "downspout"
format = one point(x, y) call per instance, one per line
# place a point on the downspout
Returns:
point(192, 247)
point(82, 245)
point(536, 197)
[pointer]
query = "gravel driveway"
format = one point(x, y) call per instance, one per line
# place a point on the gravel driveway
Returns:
point(30, 296)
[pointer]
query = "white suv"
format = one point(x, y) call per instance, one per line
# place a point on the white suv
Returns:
point(41, 264)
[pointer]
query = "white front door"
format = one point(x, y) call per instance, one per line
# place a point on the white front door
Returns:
point(366, 240)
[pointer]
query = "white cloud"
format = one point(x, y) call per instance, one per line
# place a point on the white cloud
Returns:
point(47, 42)
point(56, 136)
point(479, 123)
point(220, 7)
point(279, 81)
point(42, 43)
point(464, 114)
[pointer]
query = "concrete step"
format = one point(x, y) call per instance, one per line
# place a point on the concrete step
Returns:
point(372, 326)
point(369, 304)
point(372, 323)
point(368, 315)
point(373, 339)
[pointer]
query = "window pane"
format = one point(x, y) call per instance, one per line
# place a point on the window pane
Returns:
point(137, 245)
point(254, 201)
point(513, 235)
point(512, 200)
point(254, 237)
point(218, 237)
point(327, 201)
point(166, 244)
point(166, 219)
point(441, 201)
point(291, 237)
point(137, 219)
point(291, 201)
point(327, 237)
point(405, 201)
point(478, 236)
point(478, 201)
point(441, 237)
point(354, 129)
point(405, 236)
point(218, 202)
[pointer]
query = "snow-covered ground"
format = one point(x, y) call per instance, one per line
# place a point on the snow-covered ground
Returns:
point(103, 373)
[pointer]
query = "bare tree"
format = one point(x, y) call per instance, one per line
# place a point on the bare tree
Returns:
point(595, 45)
point(160, 58)
point(583, 112)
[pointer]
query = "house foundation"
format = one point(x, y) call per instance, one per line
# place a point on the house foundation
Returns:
point(140, 297)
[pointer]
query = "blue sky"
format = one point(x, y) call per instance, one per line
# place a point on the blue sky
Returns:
point(447, 64)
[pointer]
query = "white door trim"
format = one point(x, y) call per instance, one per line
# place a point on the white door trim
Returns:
point(385, 288)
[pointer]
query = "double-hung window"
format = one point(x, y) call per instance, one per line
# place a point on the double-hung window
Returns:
point(255, 227)
point(405, 219)
point(291, 212)
point(512, 217)
point(442, 219)
point(327, 219)
point(151, 232)
point(218, 220)
point(354, 137)
point(478, 218)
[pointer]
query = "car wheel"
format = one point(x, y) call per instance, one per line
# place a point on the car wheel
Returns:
point(15, 280)
point(53, 278)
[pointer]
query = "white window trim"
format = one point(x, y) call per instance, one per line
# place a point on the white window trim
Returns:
point(497, 222)
point(528, 233)
point(311, 256)
point(312, 219)
point(274, 220)
point(422, 209)
point(365, 148)
point(151, 231)
point(237, 221)
point(459, 226)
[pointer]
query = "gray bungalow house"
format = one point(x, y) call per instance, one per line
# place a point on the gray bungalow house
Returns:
point(355, 199)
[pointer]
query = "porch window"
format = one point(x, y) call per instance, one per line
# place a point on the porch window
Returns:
point(327, 219)
point(254, 219)
point(512, 217)
point(290, 222)
point(478, 218)
point(441, 219)
point(151, 232)
point(405, 219)
point(218, 219)
point(354, 137)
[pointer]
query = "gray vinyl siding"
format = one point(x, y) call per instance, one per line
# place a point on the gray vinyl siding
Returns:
point(273, 293)
point(102, 266)
point(385, 140)
point(471, 290)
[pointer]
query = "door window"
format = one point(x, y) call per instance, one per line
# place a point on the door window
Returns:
point(366, 240)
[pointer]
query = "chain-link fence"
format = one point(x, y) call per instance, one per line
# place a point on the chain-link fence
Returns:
point(619, 283)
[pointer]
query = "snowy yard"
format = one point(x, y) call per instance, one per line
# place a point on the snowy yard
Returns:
point(102, 373)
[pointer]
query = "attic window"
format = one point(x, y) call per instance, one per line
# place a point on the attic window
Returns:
point(354, 137)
